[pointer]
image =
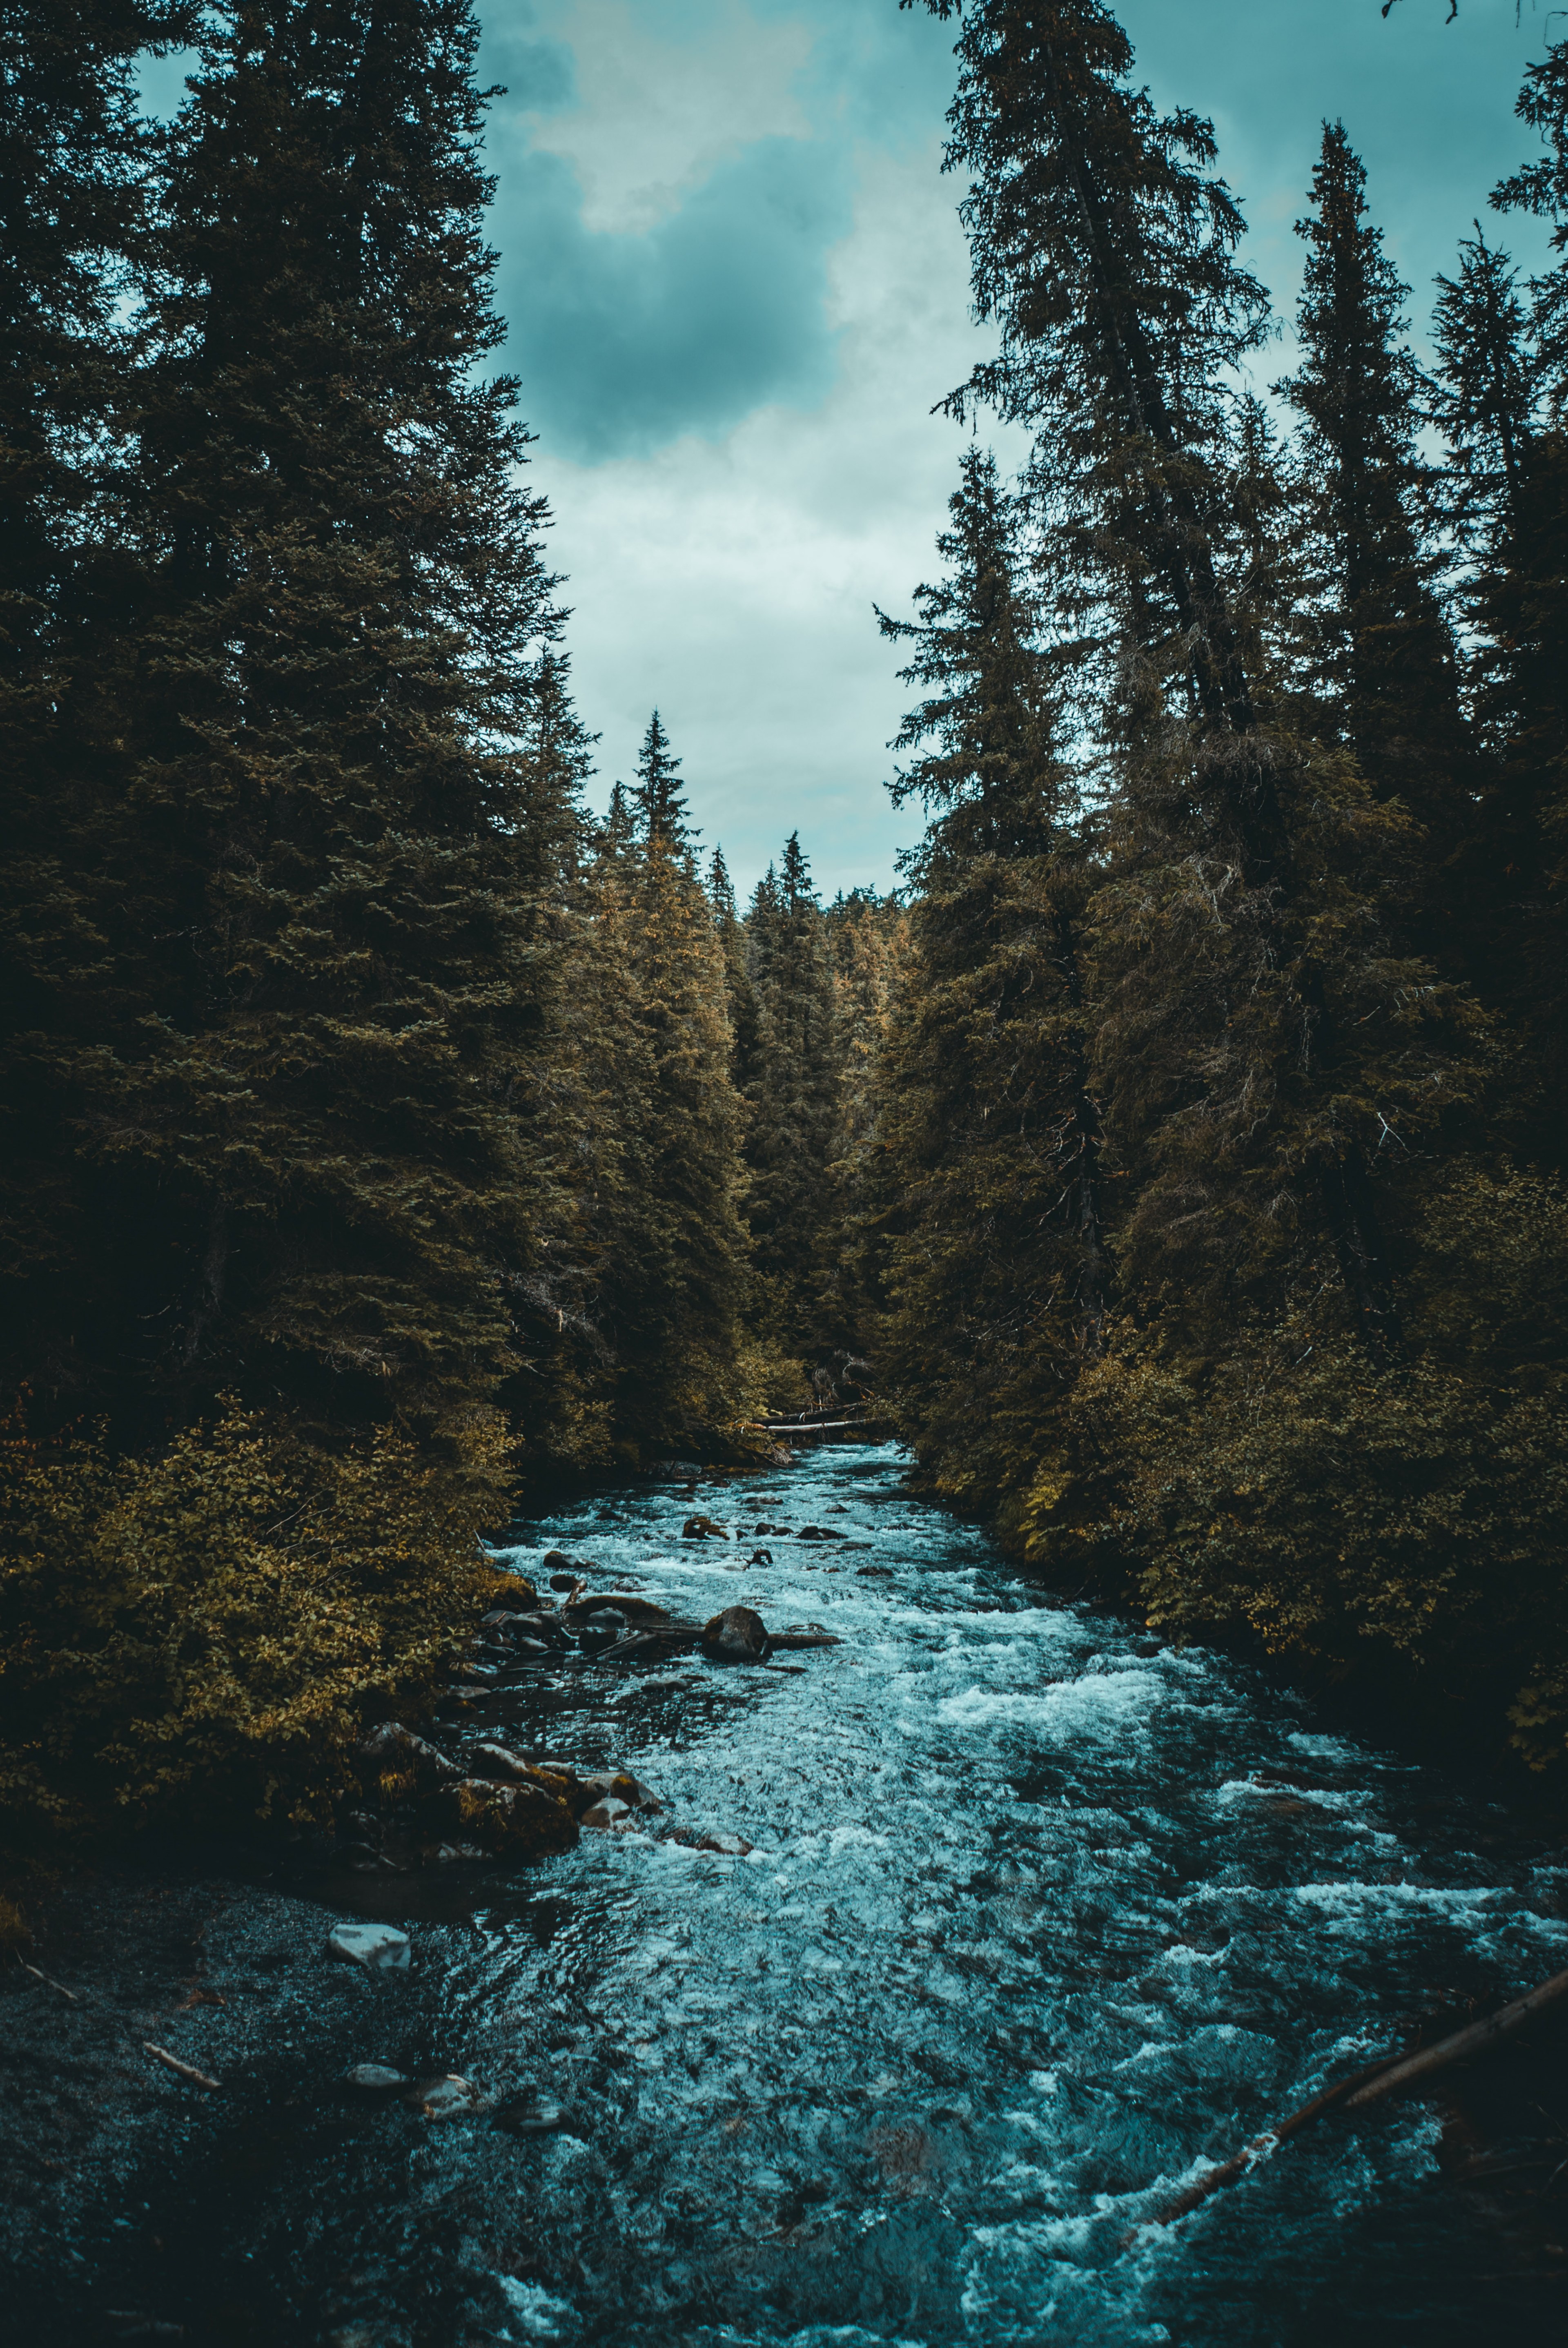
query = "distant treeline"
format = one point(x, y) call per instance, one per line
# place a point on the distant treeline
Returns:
point(381, 1133)
point(1222, 1217)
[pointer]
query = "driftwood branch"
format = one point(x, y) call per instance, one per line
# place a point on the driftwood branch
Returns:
point(186, 2070)
point(1392, 2075)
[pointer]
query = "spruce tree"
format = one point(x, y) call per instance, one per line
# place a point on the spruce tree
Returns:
point(1510, 404)
point(1387, 672)
point(328, 818)
point(792, 1104)
point(995, 1259)
point(74, 167)
point(657, 796)
point(670, 1283)
point(1261, 1028)
point(742, 1000)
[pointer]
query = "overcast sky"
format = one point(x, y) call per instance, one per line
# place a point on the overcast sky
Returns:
point(735, 287)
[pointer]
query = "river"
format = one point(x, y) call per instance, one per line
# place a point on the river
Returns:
point(1040, 1918)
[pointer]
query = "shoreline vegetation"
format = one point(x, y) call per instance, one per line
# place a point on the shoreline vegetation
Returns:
point(1175, 1162)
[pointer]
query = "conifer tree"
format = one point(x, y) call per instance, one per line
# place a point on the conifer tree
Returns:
point(792, 1104)
point(1258, 1019)
point(328, 813)
point(1388, 674)
point(74, 161)
point(1521, 599)
point(742, 1000)
point(670, 1247)
point(995, 1256)
point(659, 799)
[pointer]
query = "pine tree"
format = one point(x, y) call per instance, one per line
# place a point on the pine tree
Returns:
point(74, 160)
point(657, 796)
point(792, 1104)
point(1259, 1020)
point(673, 1284)
point(742, 1000)
point(1508, 389)
point(995, 1255)
point(320, 713)
point(1388, 676)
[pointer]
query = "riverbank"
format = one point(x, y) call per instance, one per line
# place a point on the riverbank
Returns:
point(1037, 1917)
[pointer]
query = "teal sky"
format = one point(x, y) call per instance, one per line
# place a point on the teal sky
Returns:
point(734, 287)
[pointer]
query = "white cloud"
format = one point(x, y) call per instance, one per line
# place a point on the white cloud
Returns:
point(661, 104)
point(731, 582)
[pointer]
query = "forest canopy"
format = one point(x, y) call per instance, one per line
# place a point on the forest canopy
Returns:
point(1177, 1157)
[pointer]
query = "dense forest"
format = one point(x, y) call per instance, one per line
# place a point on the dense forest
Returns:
point(1178, 1156)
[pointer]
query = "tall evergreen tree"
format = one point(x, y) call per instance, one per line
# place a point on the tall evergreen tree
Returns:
point(792, 1104)
point(660, 801)
point(1389, 676)
point(74, 163)
point(319, 715)
point(744, 1018)
point(672, 1282)
point(1258, 1019)
point(989, 1147)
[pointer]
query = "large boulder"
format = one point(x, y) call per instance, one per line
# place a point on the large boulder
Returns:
point(736, 1636)
point(525, 1820)
point(399, 1764)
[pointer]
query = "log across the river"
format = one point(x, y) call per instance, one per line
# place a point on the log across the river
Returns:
point(1393, 2075)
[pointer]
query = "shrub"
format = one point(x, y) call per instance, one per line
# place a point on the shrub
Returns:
point(204, 1631)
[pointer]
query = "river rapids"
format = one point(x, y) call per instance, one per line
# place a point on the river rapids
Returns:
point(1038, 1918)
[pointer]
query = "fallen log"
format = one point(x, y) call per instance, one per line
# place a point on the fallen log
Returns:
point(1478, 2038)
point(1392, 2075)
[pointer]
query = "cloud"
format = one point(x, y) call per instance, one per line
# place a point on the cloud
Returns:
point(624, 341)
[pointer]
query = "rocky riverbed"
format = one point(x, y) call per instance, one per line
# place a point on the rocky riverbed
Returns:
point(898, 1982)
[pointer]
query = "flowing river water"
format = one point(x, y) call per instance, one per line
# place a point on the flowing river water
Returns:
point(1039, 1916)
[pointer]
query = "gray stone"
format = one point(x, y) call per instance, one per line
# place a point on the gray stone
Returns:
point(375, 2078)
point(449, 2098)
point(379, 1948)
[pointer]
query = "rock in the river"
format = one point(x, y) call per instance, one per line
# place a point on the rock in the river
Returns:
point(819, 1533)
point(530, 2116)
point(607, 1812)
point(375, 2078)
point(703, 1529)
point(379, 1948)
point(623, 1786)
point(393, 1753)
point(761, 1557)
point(602, 1630)
point(449, 2098)
point(732, 1846)
point(525, 1820)
point(736, 1636)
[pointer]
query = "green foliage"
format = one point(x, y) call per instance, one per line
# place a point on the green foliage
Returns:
point(206, 1628)
point(793, 1109)
point(1294, 1370)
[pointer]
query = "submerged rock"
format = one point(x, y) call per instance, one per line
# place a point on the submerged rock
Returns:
point(703, 1529)
point(736, 1636)
point(375, 2078)
point(449, 2098)
point(530, 2116)
point(379, 1948)
point(731, 1846)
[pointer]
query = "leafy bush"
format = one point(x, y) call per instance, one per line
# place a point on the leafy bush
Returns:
point(204, 1631)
